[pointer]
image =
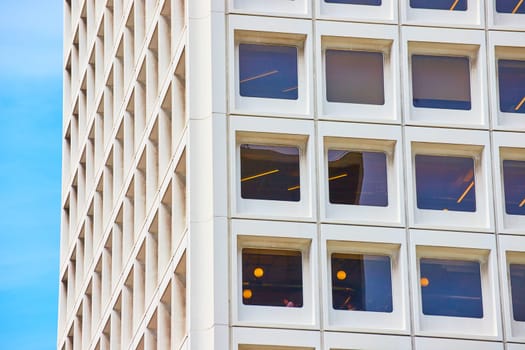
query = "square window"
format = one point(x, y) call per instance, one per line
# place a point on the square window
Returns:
point(262, 338)
point(270, 172)
point(357, 10)
point(517, 290)
point(510, 6)
point(451, 288)
point(513, 175)
point(448, 13)
point(357, 178)
point(268, 71)
point(355, 2)
point(451, 5)
point(293, 8)
point(511, 83)
point(361, 282)
point(272, 277)
point(445, 183)
point(354, 77)
point(441, 82)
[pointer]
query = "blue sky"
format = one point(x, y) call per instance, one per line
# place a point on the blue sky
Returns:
point(30, 156)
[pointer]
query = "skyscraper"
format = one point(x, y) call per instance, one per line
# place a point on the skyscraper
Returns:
point(293, 174)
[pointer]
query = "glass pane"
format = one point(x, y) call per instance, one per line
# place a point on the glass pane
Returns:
point(511, 78)
point(452, 5)
point(445, 183)
point(354, 77)
point(441, 82)
point(517, 285)
point(451, 288)
point(356, 2)
point(510, 6)
point(514, 183)
point(357, 178)
point(361, 282)
point(272, 277)
point(268, 71)
point(270, 172)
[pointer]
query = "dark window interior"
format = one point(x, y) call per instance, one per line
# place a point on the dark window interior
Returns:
point(517, 284)
point(451, 5)
point(361, 282)
point(357, 178)
point(354, 77)
point(268, 71)
point(270, 172)
point(441, 82)
point(355, 2)
point(272, 277)
point(514, 183)
point(451, 288)
point(445, 183)
point(510, 6)
point(511, 79)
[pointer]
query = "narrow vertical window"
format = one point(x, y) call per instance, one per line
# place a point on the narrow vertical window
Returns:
point(451, 5)
point(511, 83)
point(517, 286)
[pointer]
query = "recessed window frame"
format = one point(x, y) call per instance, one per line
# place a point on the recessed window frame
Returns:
point(431, 343)
point(272, 31)
point(457, 246)
point(387, 12)
point(473, 17)
point(362, 137)
point(506, 21)
point(458, 43)
point(506, 146)
point(372, 241)
point(504, 45)
point(262, 131)
point(360, 37)
point(277, 236)
point(295, 8)
point(350, 341)
point(511, 251)
point(455, 143)
point(246, 338)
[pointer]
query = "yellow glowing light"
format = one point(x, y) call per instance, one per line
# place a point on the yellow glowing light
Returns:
point(464, 194)
point(454, 5)
point(341, 275)
point(258, 272)
point(259, 175)
point(424, 282)
point(247, 294)
point(520, 104)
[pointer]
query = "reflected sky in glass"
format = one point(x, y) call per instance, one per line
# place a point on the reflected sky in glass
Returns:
point(517, 284)
point(511, 82)
point(461, 5)
point(514, 184)
point(510, 6)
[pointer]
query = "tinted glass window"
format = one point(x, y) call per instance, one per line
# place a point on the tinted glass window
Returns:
point(441, 82)
point(452, 5)
point(354, 77)
point(445, 183)
point(272, 277)
point(511, 81)
point(514, 183)
point(268, 71)
point(361, 282)
point(270, 172)
point(451, 288)
point(356, 2)
point(357, 178)
point(517, 284)
point(510, 6)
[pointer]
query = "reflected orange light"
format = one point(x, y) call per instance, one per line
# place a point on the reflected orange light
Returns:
point(341, 275)
point(454, 5)
point(247, 294)
point(516, 8)
point(259, 175)
point(258, 272)
point(424, 282)
point(467, 190)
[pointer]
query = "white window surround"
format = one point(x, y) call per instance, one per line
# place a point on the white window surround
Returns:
point(505, 21)
point(447, 142)
point(473, 17)
point(385, 13)
point(260, 30)
point(275, 235)
point(296, 8)
point(458, 246)
point(512, 250)
point(350, 341)
point(507, 146)
point(447, 42)
point(263, 131)
point(374, 241)
point(455, 344)
point(244, 338)
point(504, 45)
point(362, 137)
point(360, 37)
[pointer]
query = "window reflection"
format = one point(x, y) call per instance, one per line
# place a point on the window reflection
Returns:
point(361, 282)
point(272, 277)
point(451, 5)
point(441, 82)
point(354, 77)
point(517, 284)
point(268, 71)
point(356, 2)
point(510, 6)
point(357, 178)
point(511, 79)
point(514, 183)
point(445, 183)
point(270, 172)
point(451, 288)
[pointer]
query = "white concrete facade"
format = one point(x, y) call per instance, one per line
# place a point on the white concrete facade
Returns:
point(153, 220)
